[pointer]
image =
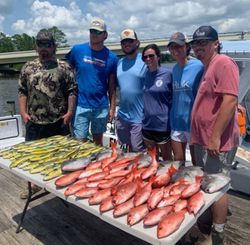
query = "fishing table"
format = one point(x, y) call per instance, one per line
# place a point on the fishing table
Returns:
point(149, 234)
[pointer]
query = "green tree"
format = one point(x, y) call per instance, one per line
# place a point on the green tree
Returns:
point(6, 44)
point(23, 42)
point(59, 36)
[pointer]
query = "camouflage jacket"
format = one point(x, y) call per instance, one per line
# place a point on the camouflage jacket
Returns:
point(47, 88)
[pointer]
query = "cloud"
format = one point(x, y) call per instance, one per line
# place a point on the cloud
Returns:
point(45, 15)
point(150, 19)
point(6, 6)
point(1, 23)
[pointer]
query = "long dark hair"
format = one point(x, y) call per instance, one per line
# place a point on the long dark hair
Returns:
point(155, 48)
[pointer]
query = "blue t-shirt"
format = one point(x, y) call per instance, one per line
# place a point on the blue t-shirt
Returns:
point(185, 85)
point(157, 97)
point(130, 75)
point(92, 72)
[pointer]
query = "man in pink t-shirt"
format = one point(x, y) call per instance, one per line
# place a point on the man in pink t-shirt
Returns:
point(214, 128)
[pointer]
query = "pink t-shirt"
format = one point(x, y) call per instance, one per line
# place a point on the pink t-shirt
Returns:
point(221, 77)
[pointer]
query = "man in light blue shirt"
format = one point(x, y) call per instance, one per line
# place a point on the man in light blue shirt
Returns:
point(130, 75)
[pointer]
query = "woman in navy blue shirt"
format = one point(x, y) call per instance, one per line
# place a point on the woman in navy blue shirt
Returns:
point(157, 97)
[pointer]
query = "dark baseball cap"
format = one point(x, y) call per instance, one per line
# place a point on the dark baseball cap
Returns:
point(43, 36)
point(178, 38)
point(205, 33)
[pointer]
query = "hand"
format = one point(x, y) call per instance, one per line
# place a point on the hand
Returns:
point(213, 147)
point(67, 117)
point(25, 117)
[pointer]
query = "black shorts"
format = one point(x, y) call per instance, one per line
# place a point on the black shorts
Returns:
point(156, 136)
point(38, 131)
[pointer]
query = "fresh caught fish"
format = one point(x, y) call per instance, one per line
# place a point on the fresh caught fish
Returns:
point(98, 176)
point(152, 169)
point(86, 192)
point(142, 194)
point(177, 189)
point(123, 208)
point(155, 197)
point(72, 189)
point(136, 214)
point(144, 161)
point(214, 182)
point(99, 196)
point(110, 183)
point(96, 183)
point(191, 189)
point(161, 180)
point(180, 205)
point(108, 160)
point(189, 173)
point(170, 223)
point(124, 193)
point(103, 154)
point(120, 173)
point(106, 204)
point(196, 202)
point(93, 165)
point(67, 179)
point(75, 164)
point(87, 173)
point(156, 215)
point(167, 201)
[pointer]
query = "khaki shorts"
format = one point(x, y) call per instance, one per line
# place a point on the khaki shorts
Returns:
point(214, 164)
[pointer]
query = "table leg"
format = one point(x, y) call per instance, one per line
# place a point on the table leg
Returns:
point(29, 199)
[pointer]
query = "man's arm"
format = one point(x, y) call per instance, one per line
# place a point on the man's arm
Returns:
point(71, 108)
point(226, 112)
point(112, 96)
point(22, 101)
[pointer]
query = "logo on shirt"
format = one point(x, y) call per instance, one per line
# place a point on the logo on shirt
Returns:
point(94, 61)
point(181, 86)
point(158, 83)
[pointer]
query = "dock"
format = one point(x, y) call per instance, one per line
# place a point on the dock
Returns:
point(49, 221)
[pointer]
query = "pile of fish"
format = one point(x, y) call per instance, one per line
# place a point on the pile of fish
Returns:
point(138, 186)
point(45, 156)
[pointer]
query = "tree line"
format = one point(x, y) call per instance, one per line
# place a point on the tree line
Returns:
point(23, 42)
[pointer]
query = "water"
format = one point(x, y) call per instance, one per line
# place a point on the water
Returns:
point(8, 92)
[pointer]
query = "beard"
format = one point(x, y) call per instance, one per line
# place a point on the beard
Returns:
point(131, 51)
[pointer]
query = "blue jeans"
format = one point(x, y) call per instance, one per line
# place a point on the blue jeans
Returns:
point(85, 119)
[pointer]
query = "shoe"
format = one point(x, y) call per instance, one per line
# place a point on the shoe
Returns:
point(217, 237)
point(34, 189)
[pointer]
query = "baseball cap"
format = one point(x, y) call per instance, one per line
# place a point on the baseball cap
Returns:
point(205, 32)
point(128, 34)
point(178, 38)
point(45, 36)
point(98, 24)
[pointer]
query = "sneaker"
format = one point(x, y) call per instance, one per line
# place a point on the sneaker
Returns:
point(34, 189)
point(217, 237)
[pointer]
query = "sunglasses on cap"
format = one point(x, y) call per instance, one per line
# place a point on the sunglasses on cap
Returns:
point(96, 32)
point(202, 43)
point(45, 44)
point(150, 56)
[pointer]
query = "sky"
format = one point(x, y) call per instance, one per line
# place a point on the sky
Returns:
point(149, 18)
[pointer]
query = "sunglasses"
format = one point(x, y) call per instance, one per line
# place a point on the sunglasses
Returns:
point(96, 32)
point(150, 56)
point(127, 41)
point(202, 43)
point(44, 44)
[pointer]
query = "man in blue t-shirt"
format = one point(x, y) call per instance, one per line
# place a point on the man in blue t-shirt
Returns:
point(130, 75)
point(95, 67)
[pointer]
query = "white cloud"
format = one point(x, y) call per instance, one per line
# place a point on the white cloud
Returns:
point(1, 23)
point(150, 19)
point(45, 15)
point(6, 6)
